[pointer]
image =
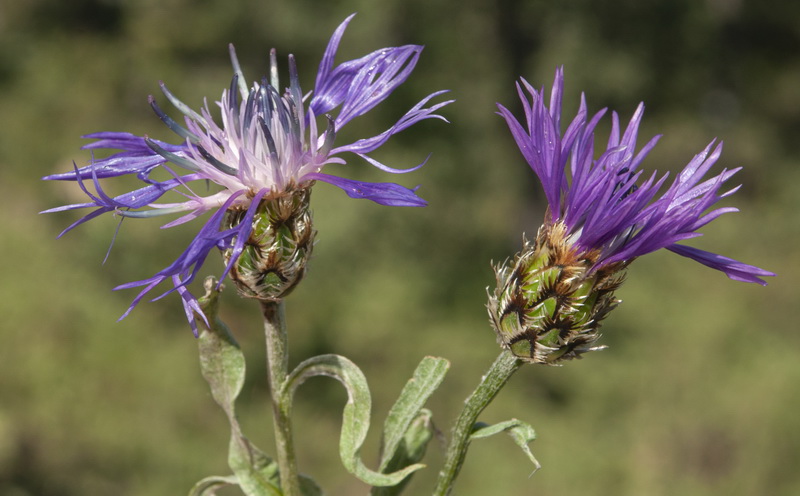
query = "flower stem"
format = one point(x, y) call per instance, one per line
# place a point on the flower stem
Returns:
point(277, 370)
point(491, 384)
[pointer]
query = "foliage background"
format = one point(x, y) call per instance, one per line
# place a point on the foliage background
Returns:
point(697, 393)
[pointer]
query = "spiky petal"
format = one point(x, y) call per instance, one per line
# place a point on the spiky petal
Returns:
point(608, 204)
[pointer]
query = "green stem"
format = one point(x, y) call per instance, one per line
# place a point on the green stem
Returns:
point(491, 384)
point(277, 370)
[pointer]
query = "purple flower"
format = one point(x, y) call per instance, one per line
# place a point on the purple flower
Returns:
point(266, 142)
point(606, 204)
point(603, 212)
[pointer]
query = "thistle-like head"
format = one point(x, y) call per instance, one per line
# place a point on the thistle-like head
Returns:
point(602, 214)
point(250, 163)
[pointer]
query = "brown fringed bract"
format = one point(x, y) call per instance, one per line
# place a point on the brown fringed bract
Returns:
point(548, 303)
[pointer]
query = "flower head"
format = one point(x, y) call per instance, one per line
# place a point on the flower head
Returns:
point(264, 152)
point(602, 214)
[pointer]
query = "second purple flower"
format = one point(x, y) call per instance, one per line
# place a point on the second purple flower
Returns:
point(603, 213)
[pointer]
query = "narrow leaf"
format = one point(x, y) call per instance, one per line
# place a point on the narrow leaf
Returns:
point(427, 377)
point(355, 418)
point(410, 450)
point(521, 432)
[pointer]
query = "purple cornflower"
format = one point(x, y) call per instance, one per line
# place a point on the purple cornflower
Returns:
point(266, 147)
point(602, 202)
point(602, 214)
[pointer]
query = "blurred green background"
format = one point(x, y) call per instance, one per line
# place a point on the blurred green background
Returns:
point(697, 394)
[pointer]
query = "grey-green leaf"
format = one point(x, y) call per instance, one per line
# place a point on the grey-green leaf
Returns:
point(521, 432)
point(428, 375)
point(410, 450)
point(256, 472)
point(415, 440)
point(355, 418)
point(221, 359)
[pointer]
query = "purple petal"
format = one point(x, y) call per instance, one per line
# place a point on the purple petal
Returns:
point(414, 115)
point(734, 269)
point(389, 194)
point(243, 232)
point(191, 307)
point(328, 87)
point(359, 85)
point(601, 200)
point(184, 269)
point(133, 200)
point(121, 141)
point(381, 73)
point(136, 157)
point(542, 144)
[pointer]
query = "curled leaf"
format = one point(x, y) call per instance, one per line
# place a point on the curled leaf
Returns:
point(355, 418)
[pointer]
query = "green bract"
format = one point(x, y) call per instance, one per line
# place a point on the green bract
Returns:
point(275, 255)
point(548, 303)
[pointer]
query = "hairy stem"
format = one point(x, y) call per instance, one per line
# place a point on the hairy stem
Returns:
point(491, 384)
point(277, 370)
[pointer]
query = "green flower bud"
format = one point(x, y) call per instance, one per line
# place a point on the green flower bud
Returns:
point(275, 256)
point(550, 299)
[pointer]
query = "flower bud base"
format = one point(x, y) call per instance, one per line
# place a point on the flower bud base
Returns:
point(550, 299)
point(275, 255)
